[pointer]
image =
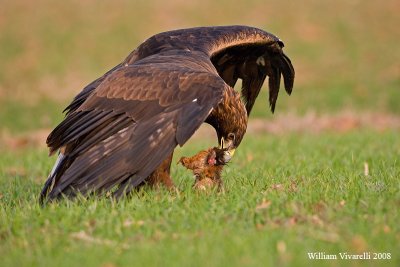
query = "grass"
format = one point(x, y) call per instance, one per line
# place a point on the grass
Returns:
point(285, 196)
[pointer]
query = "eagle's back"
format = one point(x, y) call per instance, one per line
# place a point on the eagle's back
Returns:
point(208, 40)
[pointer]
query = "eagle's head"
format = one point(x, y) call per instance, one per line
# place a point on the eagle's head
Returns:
point(230, 141)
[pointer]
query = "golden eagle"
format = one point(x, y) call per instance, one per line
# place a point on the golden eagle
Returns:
point(121, 130)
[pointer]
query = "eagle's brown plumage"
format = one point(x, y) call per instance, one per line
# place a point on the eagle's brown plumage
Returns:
point(121, 130)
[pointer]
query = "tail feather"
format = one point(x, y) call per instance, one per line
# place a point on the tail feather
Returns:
point(51, 179)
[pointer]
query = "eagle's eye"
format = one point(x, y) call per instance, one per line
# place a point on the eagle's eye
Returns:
point(231, 136)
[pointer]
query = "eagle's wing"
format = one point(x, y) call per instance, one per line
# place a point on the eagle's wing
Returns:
point(131, 122)
point(85, 93)
point(252, 63)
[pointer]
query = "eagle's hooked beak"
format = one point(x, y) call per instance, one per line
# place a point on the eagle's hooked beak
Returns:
point(227, 146)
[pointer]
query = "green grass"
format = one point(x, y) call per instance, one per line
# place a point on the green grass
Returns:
point(315, 193)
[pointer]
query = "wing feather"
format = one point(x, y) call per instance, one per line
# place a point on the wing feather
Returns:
point(87, 91)
point(288, 73)
point(130, 122)
point(252, 63)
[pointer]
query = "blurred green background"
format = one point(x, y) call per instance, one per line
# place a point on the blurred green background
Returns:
point(346, 53)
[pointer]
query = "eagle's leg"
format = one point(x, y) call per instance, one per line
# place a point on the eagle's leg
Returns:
point(161, 176)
